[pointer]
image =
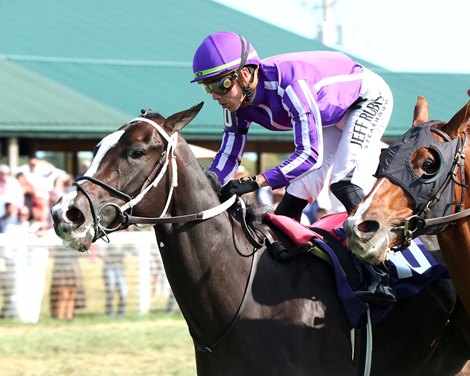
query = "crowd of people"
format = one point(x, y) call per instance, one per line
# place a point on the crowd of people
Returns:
point(30, 191)
point(26, 197)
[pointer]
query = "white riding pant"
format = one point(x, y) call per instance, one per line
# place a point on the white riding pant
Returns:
point(351, 148)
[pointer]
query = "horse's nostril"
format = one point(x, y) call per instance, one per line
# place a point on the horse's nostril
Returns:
point(74, 215)
point(368, 226)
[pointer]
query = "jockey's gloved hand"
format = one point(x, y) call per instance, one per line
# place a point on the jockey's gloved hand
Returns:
point(239, 187)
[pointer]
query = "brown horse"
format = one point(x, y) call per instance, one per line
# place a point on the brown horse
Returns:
point(421, 188)
point(248, 313)
point(423, 175)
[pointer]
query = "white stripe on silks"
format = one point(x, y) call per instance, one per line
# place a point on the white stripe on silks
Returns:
point(271, 85)
point(318, 126)
point(227, 150)
point(305, 140)
point(305, 129)
point(337, 79)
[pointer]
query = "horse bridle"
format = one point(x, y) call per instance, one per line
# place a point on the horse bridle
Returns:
point(417, 224)
point(166, 158)
point(166, 163)
point(101, 232)
point(127, 219)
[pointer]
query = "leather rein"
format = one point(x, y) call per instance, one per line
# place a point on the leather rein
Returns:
point(416, 224)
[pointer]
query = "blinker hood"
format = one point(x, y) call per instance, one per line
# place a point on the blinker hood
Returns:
point(396, 166)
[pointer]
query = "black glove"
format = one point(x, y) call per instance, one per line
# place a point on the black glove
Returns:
point(239, 187)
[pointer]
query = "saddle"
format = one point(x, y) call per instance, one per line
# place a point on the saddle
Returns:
point(360, 286)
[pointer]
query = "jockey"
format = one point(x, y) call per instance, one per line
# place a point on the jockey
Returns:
point(338, 111)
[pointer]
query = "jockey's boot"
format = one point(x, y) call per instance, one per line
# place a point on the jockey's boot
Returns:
point(291, 206)
point(347, 193)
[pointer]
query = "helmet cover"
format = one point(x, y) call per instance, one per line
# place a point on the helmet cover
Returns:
point(221, 53)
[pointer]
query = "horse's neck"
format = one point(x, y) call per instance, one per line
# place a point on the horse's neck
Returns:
point(454, 242)
point(201, 258)
point(194, 194)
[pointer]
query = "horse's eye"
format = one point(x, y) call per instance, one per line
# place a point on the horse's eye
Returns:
point(430, 167)
point(136, 154)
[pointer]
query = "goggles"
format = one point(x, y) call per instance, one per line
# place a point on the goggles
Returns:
point(221, 86)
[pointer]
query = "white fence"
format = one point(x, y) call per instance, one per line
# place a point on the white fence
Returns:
point(41, 278)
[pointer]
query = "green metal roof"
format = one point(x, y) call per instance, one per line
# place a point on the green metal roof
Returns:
point(34, 106)
point(74, 69)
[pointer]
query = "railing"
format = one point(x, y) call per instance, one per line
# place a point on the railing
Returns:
point(39, 277)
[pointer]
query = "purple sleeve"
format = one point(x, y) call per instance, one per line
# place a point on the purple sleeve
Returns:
point(230, 154)
point(300, 100)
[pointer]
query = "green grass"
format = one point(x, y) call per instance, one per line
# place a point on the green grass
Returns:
point(95, 345)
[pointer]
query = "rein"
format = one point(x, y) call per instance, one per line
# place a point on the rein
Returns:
point(166, 162)
point(416, 224)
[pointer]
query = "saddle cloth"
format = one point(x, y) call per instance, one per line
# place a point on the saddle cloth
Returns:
point(411, 270)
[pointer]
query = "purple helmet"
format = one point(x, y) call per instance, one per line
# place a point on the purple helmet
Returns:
point(222, 52)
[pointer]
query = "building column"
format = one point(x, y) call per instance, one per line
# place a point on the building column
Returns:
point(13, 153)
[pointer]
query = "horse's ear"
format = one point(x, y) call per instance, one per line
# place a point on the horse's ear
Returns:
point(459, 122)
point(421, 112)
point(178, 121)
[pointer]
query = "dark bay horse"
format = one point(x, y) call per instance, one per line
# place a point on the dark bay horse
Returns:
point(248, 313)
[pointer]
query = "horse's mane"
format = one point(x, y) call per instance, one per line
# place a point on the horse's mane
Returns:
point(255, 210)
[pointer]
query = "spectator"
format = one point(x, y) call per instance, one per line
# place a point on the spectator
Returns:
point(114, 278)
point(7, 263)
point(321, 212)
point(14, 227)
point(66, 285)
point(311, 211)
point(29, 267)
point(10, 191)
point(159, 283)
point(7, 284)
point(28, 192)
point(41, 175)
point(62, 184)
point(9, 217)
point(84, 166)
